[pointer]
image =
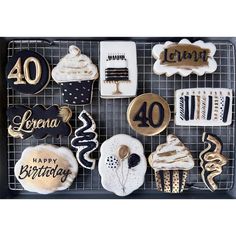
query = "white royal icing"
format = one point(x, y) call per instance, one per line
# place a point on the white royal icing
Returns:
point(74, 67)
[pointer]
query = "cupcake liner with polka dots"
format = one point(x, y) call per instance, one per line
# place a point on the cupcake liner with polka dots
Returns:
point(171, 181)
point(77, 93)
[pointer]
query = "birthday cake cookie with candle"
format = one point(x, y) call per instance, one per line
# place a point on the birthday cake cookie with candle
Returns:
point(39, 121)
point(85, 141)
point(184, 58)
point(76, 74)
point(28, 72)
point(118, 69)
point(46, 168)
point(122, 164)
point(203, 107)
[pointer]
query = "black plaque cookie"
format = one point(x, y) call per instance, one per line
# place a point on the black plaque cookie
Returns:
point(28, 72)
point(85, 141)
point(39, 121)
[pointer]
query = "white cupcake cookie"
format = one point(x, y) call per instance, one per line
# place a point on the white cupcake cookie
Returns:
point(85, 141)
point(76, 74)
point(184, 58)
point(46, 168)
point(122, 164)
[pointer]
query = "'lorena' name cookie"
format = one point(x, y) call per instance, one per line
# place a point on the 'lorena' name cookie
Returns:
point(39, 121)
point(184, 58)
point(28, 72)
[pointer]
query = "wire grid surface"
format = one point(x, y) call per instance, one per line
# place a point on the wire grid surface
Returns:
point(110, 114)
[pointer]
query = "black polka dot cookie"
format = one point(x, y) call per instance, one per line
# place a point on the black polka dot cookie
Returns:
point(28, 72)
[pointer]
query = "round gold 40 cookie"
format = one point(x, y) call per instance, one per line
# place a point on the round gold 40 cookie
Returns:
point(148, 114)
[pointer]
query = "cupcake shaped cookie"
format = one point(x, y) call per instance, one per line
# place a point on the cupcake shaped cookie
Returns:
point(171, 162)
point(76, 74)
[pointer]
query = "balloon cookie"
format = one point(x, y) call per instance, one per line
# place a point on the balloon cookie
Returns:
point(85, 141)
point(122, 164)
point(76, 74)
point(28, 72)
point(212, 160)
point(171, 162)
point(39, 121)
point(46, 168)
point(148, 114)
point(184, 58)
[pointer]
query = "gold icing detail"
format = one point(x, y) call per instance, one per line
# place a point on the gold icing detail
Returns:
point(18, 75)
point(38, 70)
point(123, 152)
point(212, 161)
point(117, 83)
point(158, 181)
point(175, 181)
point(65, 113)
point(184, 56)
point(14, 134)
point(166, 174)
point(198, 107)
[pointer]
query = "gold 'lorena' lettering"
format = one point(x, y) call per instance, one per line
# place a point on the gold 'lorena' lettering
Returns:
point(28, 125)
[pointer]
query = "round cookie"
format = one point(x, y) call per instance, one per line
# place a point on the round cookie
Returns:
point(28, 72)
point(122, 164)
point(46, 168)
point(148, 114)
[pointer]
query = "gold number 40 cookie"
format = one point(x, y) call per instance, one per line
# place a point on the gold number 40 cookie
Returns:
point(148, 114)
point(28, 72)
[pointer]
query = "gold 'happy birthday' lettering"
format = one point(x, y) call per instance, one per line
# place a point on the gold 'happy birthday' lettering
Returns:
point(28, 125)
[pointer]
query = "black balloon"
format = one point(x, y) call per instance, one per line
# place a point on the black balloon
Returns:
point(133, 160)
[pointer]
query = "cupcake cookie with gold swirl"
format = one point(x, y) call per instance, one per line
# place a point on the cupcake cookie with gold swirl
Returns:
point(171, 162)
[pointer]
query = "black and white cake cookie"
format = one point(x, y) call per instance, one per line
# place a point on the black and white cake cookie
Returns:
point(39, 121)
point(85, 141)
point(118, 69)
point(28, 72)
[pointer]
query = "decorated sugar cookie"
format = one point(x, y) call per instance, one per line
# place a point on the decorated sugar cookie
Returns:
point(85, 141)
point(212, 160)
point(148, 114)
point(171, 162)
point(184, 58)
point(46, 168)
point(76, 74)
point(122, 164)
point(118, 69)
point(28, 72)
point(39, 121)
point(203, 107)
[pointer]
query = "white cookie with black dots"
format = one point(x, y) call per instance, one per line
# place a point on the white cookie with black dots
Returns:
point(122, 164)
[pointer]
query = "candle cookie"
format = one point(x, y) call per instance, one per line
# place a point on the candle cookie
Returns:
point(212, 160)
point(203, 107)
point(171, 162)
point(122, 164)
point(76, 74)
point(184, 58)
point(85, 141)
point(28, 72)
point(148, 114)
point(118, 69)
point(39, 121)
point(46, 168)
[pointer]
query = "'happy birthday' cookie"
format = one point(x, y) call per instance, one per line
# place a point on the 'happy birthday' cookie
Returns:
point(28, 72)
point(148, 114)
point(39, 121)
point(85, 141)
point(184, 58)
point(46, 168)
